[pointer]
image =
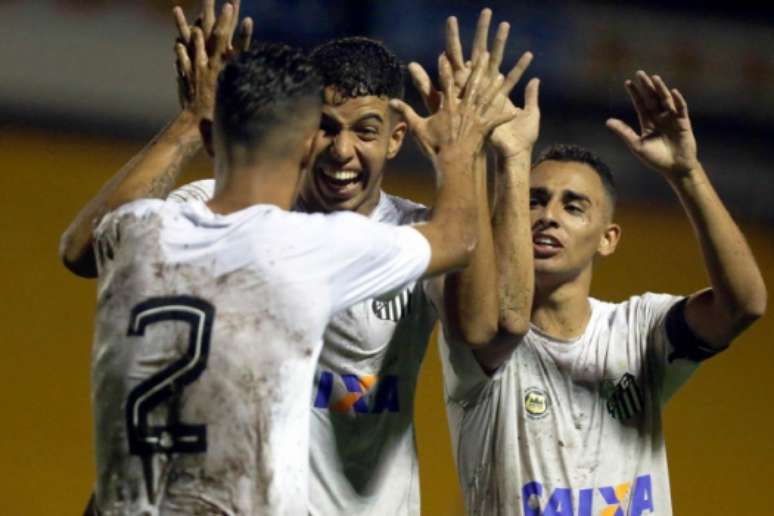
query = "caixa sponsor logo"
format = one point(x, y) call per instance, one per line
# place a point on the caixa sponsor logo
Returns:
point(368, 394)
point(620, 500)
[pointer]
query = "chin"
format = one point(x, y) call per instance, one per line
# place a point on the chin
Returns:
point(343, 205)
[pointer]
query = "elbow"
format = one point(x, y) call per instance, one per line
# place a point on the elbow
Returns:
point(755, 306)
point(65, 251)
point(480, 334)
point(513, 326)
point(80, 264)
point(741, 314)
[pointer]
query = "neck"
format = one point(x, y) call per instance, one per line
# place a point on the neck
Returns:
point(272, 181)
point(561, 309)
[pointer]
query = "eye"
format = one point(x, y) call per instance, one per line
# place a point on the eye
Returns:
point(574, 209)
point(533, 202)
point(367, 133)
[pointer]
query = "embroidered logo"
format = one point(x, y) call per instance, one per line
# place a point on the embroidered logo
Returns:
point(536, 402)
point(626, 398)
point(394, 309)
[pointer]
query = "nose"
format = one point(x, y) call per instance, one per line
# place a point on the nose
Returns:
point(545, 216)
point(343, 148)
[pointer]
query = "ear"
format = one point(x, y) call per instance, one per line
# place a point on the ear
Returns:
point(609, 240)
point(205, 129)
point(396, 139)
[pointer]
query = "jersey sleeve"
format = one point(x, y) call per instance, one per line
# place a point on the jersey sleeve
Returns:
point(670, 370)
point(115, 224)
point(367, 259)
point(202, 190)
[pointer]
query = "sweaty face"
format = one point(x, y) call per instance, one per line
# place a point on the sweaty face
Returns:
point(570, 214)
point(355, 139)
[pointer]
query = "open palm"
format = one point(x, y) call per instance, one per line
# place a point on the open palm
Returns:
point(665, 141)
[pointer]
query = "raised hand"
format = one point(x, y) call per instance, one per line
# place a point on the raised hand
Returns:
point(520, 134)
point(196, 89)
point(460, 122)
point(665, 141)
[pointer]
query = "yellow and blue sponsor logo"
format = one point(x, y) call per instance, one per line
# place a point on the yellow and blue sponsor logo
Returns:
point(597, 501)
point(366, 394)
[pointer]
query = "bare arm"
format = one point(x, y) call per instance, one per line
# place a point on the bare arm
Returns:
point(737, 294)
point(153, 171)
point(452, 137)
point(470, 300)
point(488, 303)
point(470, 295)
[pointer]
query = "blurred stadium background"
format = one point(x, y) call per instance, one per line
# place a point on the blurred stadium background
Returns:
point(85, 83)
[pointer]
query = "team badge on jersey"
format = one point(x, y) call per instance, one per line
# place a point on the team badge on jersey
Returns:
point(393, 309)
point(536, 403)
point(625, 399)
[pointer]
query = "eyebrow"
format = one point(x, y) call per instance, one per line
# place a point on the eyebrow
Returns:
point(567, 195)
point(327, 117)
point(571, 196)
point(369, 116)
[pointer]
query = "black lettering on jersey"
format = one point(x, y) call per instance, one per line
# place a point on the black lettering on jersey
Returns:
point(394, 309)
point(167, 384)
point(626, 399)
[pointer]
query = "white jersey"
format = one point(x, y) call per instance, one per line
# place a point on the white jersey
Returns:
point(208, 330)
point(568, 428)
point(363, 452)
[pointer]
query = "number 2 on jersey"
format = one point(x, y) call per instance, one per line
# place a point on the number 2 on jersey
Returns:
point(167, 384)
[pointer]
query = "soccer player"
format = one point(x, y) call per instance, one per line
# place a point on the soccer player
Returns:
point(363, 451)
point(202, 368)
point(568, 419)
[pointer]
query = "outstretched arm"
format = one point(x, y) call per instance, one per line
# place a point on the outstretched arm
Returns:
point(737, 294)
point(511, 228)
point(488, 303)
point(452, 137)
point(153, 171)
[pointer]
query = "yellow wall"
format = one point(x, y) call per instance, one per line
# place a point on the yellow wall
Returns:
point(721, 456)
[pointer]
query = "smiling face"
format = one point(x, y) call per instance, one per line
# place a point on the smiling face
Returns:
point(570, 215)
point(357, 136)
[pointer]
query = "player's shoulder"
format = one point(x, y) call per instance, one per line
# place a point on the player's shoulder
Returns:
point(201, 190)
point(139, 209)
point(399, 210)
point(346, 223)
point(636, 308)
point(636, 301)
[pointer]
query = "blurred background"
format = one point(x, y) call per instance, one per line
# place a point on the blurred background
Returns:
point(85, 83)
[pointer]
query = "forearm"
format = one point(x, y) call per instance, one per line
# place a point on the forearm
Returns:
point(471, 294)
point(151, 173)
point(738, 294)
point(513, 244)
point(452, 230)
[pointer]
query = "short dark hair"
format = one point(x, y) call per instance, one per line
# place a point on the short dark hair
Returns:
point(359, 67)
point(265, 88)
point(572, 152)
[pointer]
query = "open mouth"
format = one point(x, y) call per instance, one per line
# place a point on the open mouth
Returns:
point(545, 246)
point(339, 184)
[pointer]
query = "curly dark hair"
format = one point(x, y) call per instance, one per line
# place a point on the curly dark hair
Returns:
point(359, 67)
point(579, 154)
point(265, 88)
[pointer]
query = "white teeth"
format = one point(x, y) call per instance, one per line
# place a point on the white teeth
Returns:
point(340, 175)
point(545, 241)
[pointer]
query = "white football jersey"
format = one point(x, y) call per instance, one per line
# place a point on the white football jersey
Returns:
point(208, 330)
point(568, 428)
point(363, 451)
